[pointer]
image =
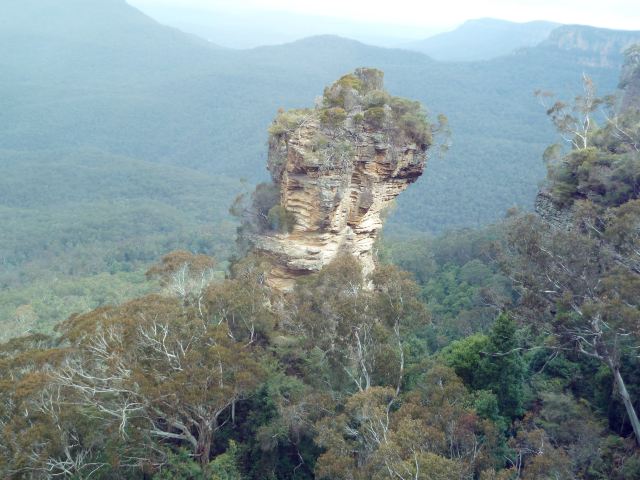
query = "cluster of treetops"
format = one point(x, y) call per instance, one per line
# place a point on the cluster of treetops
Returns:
point(504, 353)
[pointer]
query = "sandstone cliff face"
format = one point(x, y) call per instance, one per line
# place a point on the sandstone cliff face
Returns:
point(338, 167)
point(592, 46)
point(630, 81)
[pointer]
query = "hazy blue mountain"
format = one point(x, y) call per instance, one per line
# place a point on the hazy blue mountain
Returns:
point(244, 28)
point(108, 86)
point(483, 39)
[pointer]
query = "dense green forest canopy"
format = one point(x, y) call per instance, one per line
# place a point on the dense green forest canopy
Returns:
point(80, 226)
point(335, 381)
point(503, 353)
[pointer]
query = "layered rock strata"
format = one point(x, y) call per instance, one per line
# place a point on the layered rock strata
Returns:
point(338, 167)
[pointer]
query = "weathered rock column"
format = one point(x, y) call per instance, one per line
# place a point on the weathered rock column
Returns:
point(337, 167)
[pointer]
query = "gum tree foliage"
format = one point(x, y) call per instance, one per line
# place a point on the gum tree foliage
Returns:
point(169, 374)
point(602, 164)
point(350, 340)
point(534, 456)
point(583, 269)
point(575, 122)
point(492, 363)
point(355, 333)
point(426, 434)
point(461, 281)
point(589, 298)
point(130, 382)
point(36, 434)
point(303, 398)
point(185, 276)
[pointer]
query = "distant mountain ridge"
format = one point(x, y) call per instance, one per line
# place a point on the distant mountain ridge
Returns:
point(483, 39)
point(250, 28)
point(592, 46)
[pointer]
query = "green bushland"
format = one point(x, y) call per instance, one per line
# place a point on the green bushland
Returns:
point(333, 117)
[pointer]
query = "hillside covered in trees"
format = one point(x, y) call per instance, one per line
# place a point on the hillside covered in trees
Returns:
point(507, 352)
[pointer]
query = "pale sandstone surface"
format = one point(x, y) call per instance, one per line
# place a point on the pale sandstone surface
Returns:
point(337, 192)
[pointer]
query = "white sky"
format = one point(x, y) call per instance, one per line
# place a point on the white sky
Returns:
point(618, 14)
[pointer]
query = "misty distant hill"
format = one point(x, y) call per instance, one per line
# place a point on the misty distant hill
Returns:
point(249, 28)
point(88, 86)
point(483, 39)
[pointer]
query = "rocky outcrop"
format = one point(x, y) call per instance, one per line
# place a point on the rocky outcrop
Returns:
point(337, 168)
point(551, 212)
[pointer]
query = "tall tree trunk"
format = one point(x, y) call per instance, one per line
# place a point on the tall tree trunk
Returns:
point(631, 412)
point(205, 440)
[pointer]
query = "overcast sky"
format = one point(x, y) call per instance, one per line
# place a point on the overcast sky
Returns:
point(619, 14)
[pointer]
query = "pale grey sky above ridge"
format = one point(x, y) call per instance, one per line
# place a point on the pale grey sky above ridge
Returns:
point(442, 15)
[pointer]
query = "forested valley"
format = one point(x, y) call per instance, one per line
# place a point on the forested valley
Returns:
point(497, 338)
point(505, 352)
